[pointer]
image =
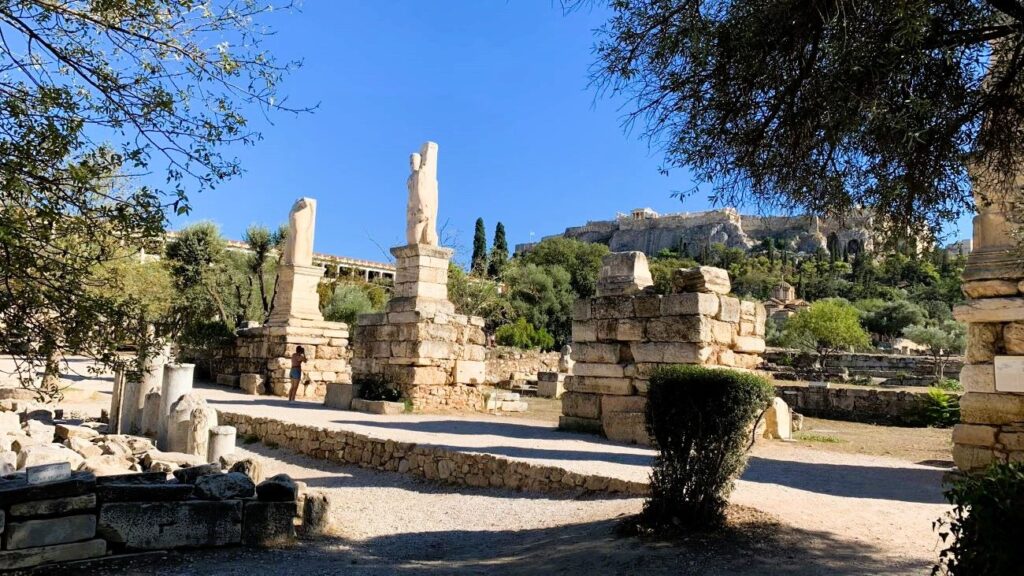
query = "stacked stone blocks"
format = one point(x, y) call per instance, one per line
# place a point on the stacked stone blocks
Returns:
point(627, 331)
point(433, 355)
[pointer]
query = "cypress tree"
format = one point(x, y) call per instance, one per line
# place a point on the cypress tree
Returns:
point(499, 252)
point(478, 265)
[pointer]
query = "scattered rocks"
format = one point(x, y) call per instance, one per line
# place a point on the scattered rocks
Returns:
point(228, 486)
point(279, 488)
point(191, 474)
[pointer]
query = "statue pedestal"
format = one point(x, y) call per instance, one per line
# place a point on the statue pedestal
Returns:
point(296, 297)
point(433, 355)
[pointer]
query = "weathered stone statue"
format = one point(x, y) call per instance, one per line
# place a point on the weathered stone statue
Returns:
point(565, 361)
point(298, 249)
point(421, 222)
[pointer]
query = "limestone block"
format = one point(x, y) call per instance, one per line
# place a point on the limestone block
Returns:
point(377, 406)
point(679, 329)
point(316, 517)
point(47, 532)
point(550, 388)
point(615, 404)
point(581, 405)
point(1012, 441)
point(596, 352)
point(601, 370)
point(597, 385)
point(221, 443)
point(513, 406)
point(778, 422)
point(749, 345)
point(647, 305)
point(991, 310)
point(584, 331)
point(203, 420)
point(576, 424)
point(611, 307)
point(628, 330)
point(729, 309)
point(167, 525)
point(230, 380)
point(66, 431)
point(150, 423)
point(760, 317)
point(30, 557)
point(969, 458)
point(470, 372)
point(178, 423)
point(975, 434)
point(474, 353)
point(9, 422)
point(278, 488)
point(701, 279)
point(1013, 338)
point(177, 382)
point(229, 486)
point(419, 375)
point(40, 454)
point(692, 303)
point(984, 341)
point(989, 288)
point(722, 332)
point(629, 427)
point(339, 396)
point(269, 524)
point(53, 506)
point(251, 383)
point(623, 273)
point(671, 352)
point(107, 465)
point(997, 409)
point(978, 378)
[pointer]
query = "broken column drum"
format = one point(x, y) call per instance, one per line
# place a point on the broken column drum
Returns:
point(177, 381)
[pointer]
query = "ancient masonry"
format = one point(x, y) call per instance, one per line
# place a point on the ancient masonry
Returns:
point(419, 344)
point(260, 360)
point(626, 331)
point(992, 408)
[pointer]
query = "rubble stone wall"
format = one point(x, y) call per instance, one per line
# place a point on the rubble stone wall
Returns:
point(432, 463)
point(856, 404)
point(917, 369)
point(504, 363)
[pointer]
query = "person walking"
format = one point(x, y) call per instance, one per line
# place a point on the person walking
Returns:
point(296, 373)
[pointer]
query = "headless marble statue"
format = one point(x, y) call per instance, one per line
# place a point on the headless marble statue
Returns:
point(298, 248)
point(421, 216)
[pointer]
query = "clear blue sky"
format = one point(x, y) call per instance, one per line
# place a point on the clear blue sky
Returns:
point(502, 86)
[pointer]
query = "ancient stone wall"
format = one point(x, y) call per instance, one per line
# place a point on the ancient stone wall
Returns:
point(856, 403)
point(505, 363)
point(433, 463)
point(897, 369)
point(260, 358)
point(624, 333)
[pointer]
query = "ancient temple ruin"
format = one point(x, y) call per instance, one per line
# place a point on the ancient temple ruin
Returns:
point(418, 343)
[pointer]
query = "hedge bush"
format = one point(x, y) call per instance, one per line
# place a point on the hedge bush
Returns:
point(985, 529)
point(701, 421)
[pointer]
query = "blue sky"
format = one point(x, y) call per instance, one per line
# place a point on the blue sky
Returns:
point(501, 85)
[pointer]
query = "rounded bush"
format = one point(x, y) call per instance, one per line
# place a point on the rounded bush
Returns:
point(701, 421)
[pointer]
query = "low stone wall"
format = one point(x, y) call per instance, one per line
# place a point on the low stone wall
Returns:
point(505, 363)
point(77, 516)
point(898, 369)
point(429, 462)
point(856, 404)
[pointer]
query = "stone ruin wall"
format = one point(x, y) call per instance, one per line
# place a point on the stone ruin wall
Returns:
point(260, 359)
point(504, 364)
point(620, 339)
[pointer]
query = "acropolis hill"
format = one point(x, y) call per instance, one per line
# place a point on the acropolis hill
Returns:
point(647, 231)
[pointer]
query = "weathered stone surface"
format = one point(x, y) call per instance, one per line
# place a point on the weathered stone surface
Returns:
point(251, 383)
point(279, 488)
point(623, 273)
point(377, 406)
point(629, 427)
point(48, 454)
point(47, 532)
point(17, 489)
point(107, 465)
point(250, 467)
point(48, 473)
point(778, 423)
point(172, 457)
point(193, 473)
point(229, 486)
point(690, 304)
point(268, 524)
point(978, 378)
point(989, 288)
point(581, 405)
point(577, 424)
point(339, 396)
point(1013, 338)
point(65, 431)
point(749, 345)
point(150, 422)
point(984, 341)
point(84, 447)
point(991, 310)
point(701, 279)
point(166, 492)
point(316, 517)
point(598, 385)
point(728, 309)
point(635, 404)
point(974, 434)
point(53, 506)
point(30, 557)
point(222, 442)
point(203, 420)
point(970, 458)
point(670, 352)
point(9, 422)
point(678, 329)
point(165, 525)
point(998, 409)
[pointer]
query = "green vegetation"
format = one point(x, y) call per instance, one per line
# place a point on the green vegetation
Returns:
point(499, 252)
point(822, 438)
point(984, 530)
point(827, 327)
point(375, 387)
point(478, 263)
point(942, 340)
point(522, 334)
point(940, 409)
point(700, 421)
point(347, 300)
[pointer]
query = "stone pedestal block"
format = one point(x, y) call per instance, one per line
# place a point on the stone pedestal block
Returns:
point(340, 396)
point(221, 443)
point(167, 525)
point(296, 297)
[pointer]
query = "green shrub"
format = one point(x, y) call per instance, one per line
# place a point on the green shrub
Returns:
point(700, 419)
point(522, 334)
point(375, 387)
point(940, 409)
point(949, 384)
point(985, 529)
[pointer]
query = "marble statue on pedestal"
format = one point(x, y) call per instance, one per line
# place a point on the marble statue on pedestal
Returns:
point(421, 217)
point(298, 248)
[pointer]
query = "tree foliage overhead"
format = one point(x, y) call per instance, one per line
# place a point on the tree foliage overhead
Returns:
point(92, 95)
point(826, 105)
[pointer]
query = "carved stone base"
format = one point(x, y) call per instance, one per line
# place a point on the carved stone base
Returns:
point(296, 299)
